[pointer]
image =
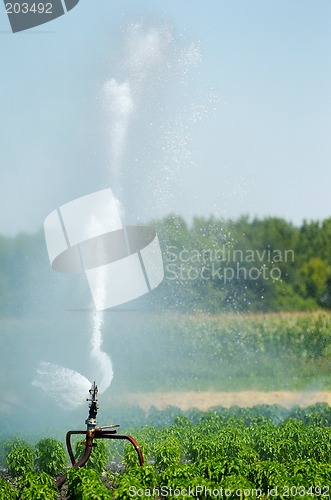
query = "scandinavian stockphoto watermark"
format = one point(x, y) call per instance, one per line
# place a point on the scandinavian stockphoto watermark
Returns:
point(26, 14)
point(225, 263)
point(87, 235)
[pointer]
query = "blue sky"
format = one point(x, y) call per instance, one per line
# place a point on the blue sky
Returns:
point(236, 120)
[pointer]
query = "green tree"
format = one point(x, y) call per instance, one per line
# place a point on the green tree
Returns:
point(314, 274)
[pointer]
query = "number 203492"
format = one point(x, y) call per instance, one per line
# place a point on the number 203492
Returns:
point(25, 8)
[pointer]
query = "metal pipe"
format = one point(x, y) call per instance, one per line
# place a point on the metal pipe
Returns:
point(69, 447)
point(82, 461)
point(107, 435)
point(93, 432)
point(88, 449)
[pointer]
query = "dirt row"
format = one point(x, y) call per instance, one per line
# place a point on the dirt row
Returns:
point(208, 399)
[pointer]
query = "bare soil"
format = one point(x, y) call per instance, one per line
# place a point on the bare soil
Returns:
point(208, 399)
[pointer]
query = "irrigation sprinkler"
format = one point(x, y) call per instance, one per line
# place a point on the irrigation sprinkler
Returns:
point(93, 432)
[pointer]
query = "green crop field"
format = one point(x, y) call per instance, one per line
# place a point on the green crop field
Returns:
point(225, 352)
point(261, 452)
point(165, 352)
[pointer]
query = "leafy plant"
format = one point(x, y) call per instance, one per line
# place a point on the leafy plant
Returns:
point(6, 490)
point(98, 458)
point(34, 486)
point(85, 484)
point(11, 444)
point(130, 455)
point(135, 481)
point(168, 452)
point(3, 454)
point(20, 460)
point(50, 456)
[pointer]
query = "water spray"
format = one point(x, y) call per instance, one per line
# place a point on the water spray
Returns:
point(86, 235)
point(120, 263)
point(93, 432)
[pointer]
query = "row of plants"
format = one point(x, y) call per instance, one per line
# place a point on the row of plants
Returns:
point(303, 336)
point(229, 453)
point(47, 455)
point(223, 352)
point(31, 470)
point(226, 352)
point(29, 486)
point(230, 456)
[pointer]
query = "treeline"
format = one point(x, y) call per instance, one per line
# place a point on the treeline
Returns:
point(211, 265)
point(245, 264)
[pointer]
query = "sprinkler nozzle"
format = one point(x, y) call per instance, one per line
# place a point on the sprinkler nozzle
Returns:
point(91, 421)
